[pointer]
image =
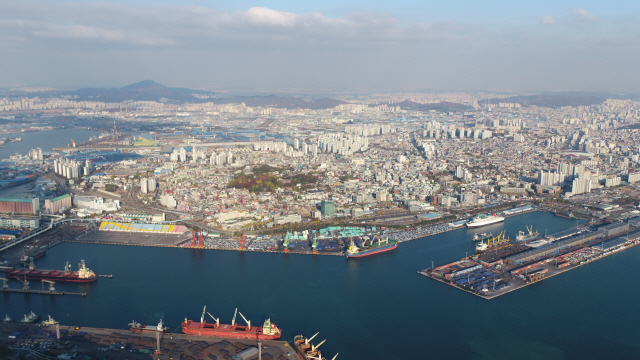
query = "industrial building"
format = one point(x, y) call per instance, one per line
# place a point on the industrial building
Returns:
point(615, 228)
point(20, 206)
point(58, 204)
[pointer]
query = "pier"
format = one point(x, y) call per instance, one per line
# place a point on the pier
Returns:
point(41, 292)
point(523, 268)
point(122, 344)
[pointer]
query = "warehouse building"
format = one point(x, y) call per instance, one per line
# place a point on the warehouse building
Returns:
point(615, 228)
point(553, 248)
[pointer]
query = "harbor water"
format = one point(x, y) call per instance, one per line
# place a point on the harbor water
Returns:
point(376, 307)
point(44, 139)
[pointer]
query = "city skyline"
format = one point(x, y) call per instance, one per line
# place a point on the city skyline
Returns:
point(347, 46)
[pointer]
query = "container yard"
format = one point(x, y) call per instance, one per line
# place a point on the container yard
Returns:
point(68, 342)
point(516, 266)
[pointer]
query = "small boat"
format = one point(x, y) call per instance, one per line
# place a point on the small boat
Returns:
point(30, 319)
point(481, 237)
point(7, 319)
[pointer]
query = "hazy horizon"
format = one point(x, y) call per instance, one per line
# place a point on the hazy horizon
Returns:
point(323, 46)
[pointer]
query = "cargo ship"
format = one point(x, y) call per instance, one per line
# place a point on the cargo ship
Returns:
point(568, 216)
point(373, 248)
point(484, 220)
point(136, 326)
point(84, 274)
point(493, 243)
point(522, 236)
point(481, 237)
point(267, 331)
point(306, 350)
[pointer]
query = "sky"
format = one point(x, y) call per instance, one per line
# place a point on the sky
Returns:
point(334, 46)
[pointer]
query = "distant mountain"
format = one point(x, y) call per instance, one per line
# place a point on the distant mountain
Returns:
point(279, 102)
point(146, 90)
point(149, 90)
point(556, 100)
point(441, 106)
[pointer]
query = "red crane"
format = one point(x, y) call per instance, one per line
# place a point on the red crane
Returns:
point(242, 241)
point(201, 240)
point(193, 239)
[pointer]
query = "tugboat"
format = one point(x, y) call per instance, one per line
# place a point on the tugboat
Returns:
point(50, 321)
point(30, 319)
point(481, 237)
point(135, 326)
point(7, 319)
point(307, 350)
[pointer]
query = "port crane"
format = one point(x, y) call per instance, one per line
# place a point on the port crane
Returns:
point(285, 243)
point(242, 241)
point(26, 284)
point(315, 243)
point(51, 283)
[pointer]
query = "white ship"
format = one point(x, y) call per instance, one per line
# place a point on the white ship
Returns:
point(484, 220)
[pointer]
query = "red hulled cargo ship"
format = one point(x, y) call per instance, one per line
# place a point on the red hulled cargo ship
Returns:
point(267, 331)
point(66, 275)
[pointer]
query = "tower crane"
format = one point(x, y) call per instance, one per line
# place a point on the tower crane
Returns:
point(51, 283)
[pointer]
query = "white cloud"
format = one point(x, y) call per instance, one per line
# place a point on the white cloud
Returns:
point(548, 20)
point(582, 16)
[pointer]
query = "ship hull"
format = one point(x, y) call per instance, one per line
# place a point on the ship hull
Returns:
point(373, 251)
point(527, 238)
point(477, 225)
point(53, 275)
point(148, 329)
point(227, 331)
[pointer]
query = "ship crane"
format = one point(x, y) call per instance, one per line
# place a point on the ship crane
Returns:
point(217, 320)
point(202, 317)
point(314, 353)
point(306, 341)
point(51, 283)
point(233, 322)
point(245, 320)
point(4, 283)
